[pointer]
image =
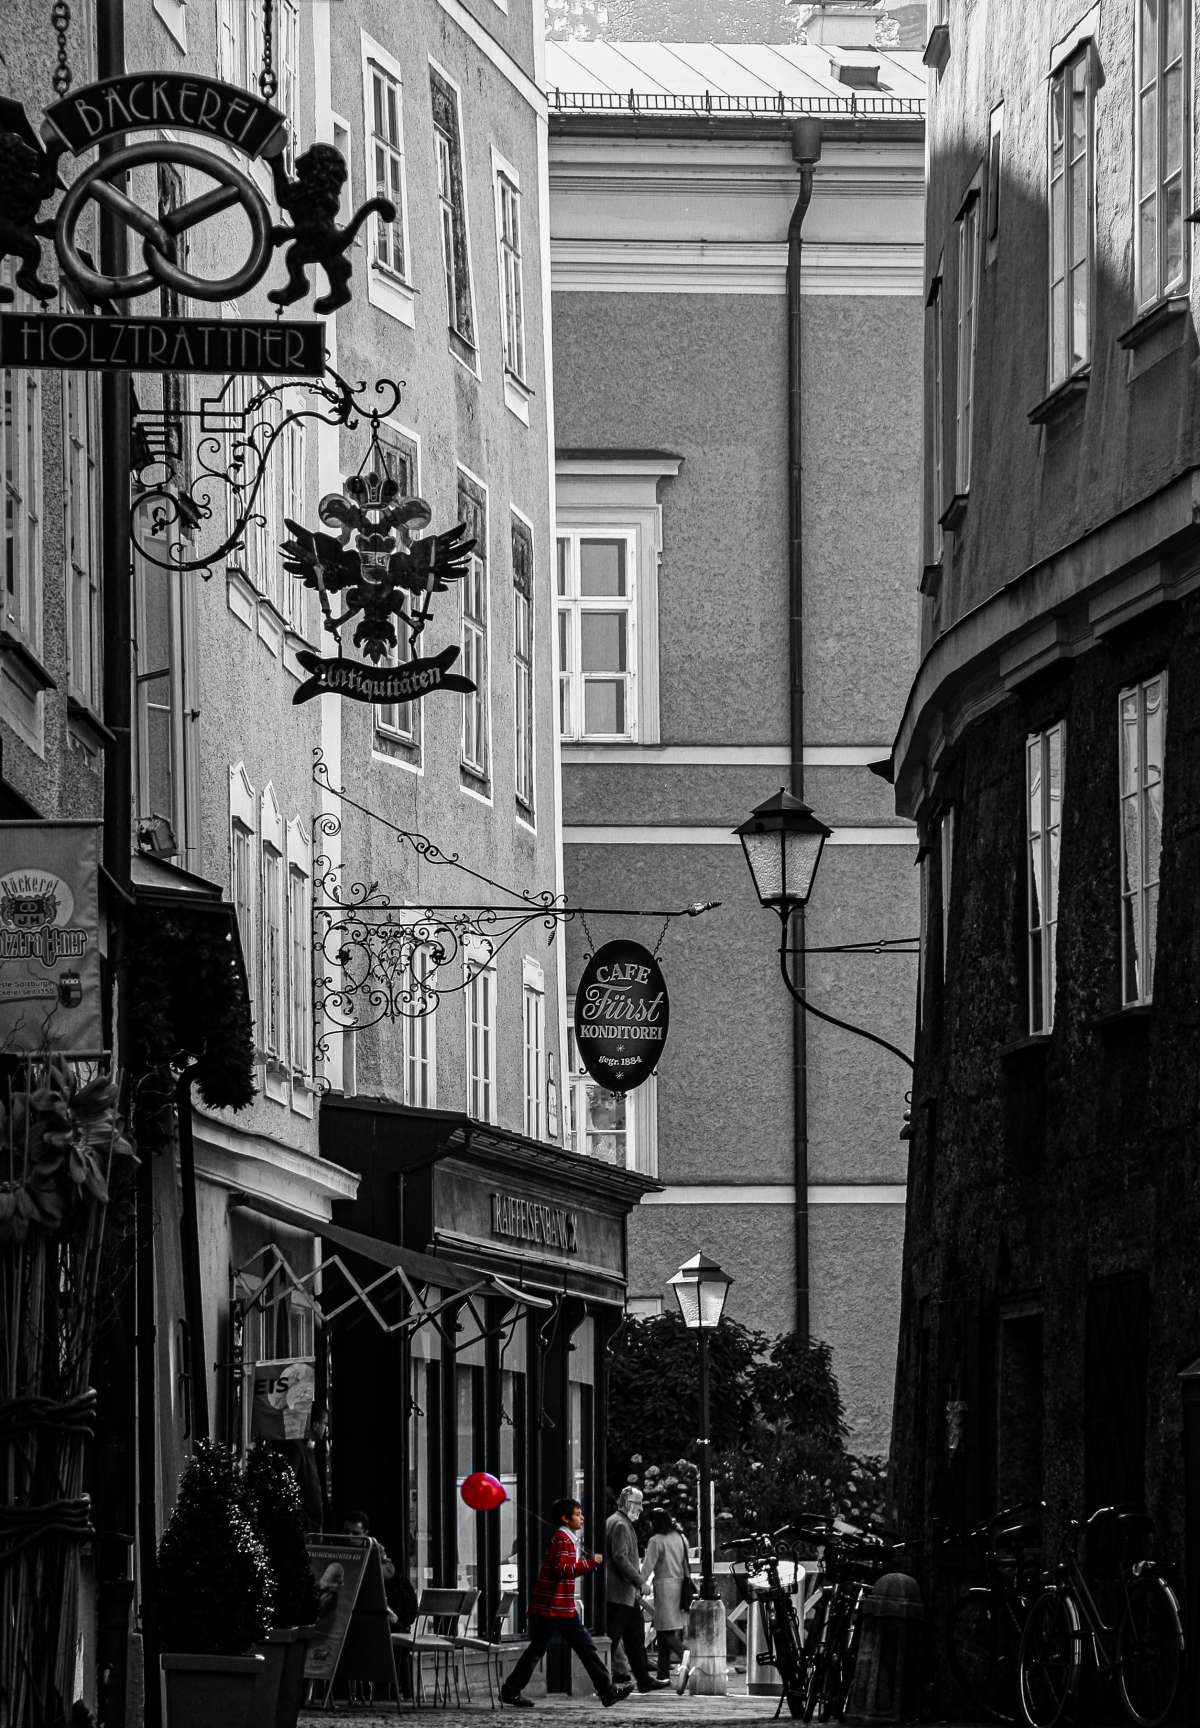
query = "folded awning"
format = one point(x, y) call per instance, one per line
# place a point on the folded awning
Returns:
point(399, 1300)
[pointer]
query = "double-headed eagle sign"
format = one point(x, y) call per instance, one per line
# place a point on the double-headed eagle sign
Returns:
point(387, 574)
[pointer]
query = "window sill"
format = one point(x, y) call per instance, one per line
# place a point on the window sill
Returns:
point(1160, 331)
point(937, 49)
point(931, 580)
point(30, 672)
point(1061, 399)
point(392, 294)
point(88, 724)
point(1124, 1025)
point(1030, 1045)
point(517, 397)
point(955, 513)
point(1158, 317)
point(464, 351)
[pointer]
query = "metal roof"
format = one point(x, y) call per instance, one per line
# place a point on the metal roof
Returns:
point(728, 78)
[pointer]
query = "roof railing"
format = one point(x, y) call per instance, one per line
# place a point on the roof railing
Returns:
point(666, 102)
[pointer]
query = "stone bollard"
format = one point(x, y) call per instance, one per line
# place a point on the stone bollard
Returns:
point(706, 1641)
point(887, 1672)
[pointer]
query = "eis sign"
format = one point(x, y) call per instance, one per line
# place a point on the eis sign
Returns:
point(621, 1015)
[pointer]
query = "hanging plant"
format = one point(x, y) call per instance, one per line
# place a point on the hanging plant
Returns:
point(56, 1143)
point(190, 1004)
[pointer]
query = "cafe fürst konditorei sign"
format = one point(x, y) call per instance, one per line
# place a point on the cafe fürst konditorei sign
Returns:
point(50, 937)
point(621, 1015)
point(232, 126)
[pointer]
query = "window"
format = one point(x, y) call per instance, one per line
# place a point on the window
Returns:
point(1163, 129)
point(420, 1032)
point(244, 873)
point(596, 628)
point(937, 419)
point(1143, 710)
point(400, 722)
point(288, 457)
point(508, 226)
point(945, 841)
point(300, 940)
point(21, 456)
point(968, 301)
point(994, 162)
point(271, 1019)
point(472, 509)
point(1043, 807)
point(481, 1033)
point(522, 563)
point(81, 500)
point(620, 1129)
point(240, 52)
point(385, 143)
point(533, 1020)
point(165, 706)
point(1071, 158)
point(452, 203)
point(610, 542)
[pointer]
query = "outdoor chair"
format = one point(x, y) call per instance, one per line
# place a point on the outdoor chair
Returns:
point(435, 1632)
point(493, 1646)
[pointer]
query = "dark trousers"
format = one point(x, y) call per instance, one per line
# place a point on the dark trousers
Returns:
point(627, 1628)
point(670, 1649)
point(544, 1628)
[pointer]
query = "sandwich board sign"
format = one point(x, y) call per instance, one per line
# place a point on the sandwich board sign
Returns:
point(353, 1640)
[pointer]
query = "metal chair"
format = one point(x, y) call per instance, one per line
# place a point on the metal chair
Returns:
point(435, 1633)
point(493, 1645)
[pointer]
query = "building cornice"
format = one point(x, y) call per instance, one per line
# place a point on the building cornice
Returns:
point(1054, 610)
point(255, 1165)
point(733, 267)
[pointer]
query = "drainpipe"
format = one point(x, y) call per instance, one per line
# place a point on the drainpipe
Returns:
point(806, 152)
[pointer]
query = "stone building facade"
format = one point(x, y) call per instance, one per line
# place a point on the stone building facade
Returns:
point(1048, 1333)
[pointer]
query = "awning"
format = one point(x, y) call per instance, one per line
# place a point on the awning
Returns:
point(398, 1300)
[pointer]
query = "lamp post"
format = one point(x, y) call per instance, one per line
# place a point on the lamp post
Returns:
point(783, 842)
point(700, 1289)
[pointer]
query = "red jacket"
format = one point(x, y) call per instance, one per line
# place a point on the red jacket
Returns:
point(554, 1592)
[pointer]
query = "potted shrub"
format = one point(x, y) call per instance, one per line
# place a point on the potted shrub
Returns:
point(272, 1500)
point(215, 1597)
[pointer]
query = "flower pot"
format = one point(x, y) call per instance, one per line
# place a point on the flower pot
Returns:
point(275, 1650)
point(291, 1683)
point(204, 1691)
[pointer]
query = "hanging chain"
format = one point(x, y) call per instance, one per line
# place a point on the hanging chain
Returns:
point(590, 948)
point(268, 83)
point(60, 19)
point(666, 925)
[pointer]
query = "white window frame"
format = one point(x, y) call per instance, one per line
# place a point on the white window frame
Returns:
point(945, 837)
point(480, 1003)
point(299, 938)
point(1043, 838)
point(572, 608)
point(420, 1038)
point(468, 339)
point(937, 415)
point(475, 658)
point(506, 183)
point(388, 725)
point(969, 247)
point(391, 290)
point(1154, 181)
point(533, 1047)
point(1139, 901)
point(525, 684)
point(244, 873)
point(82, 542)
point(177, 701)
point(273, 956)
point(1061, 186)
point(21, 470)
point(606, 497)
point(640, 1150)
point(290, 457)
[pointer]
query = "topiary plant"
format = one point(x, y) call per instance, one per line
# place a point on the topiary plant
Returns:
point(272, 1499)
point(215, 1588)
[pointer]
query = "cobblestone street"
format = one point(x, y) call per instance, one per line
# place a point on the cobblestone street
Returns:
point(654, 1710)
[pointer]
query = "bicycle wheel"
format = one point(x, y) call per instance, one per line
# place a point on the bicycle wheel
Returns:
point(816, 1648)
point(1048, 1660)
point(838, 1669)
point(981, 1644)
point(1149, 1651)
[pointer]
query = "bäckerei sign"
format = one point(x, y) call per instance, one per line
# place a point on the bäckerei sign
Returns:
point(621, 1015)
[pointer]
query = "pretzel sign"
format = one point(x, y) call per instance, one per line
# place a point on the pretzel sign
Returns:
point(160, 233)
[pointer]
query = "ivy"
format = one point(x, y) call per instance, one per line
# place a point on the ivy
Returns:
point(189, 1004)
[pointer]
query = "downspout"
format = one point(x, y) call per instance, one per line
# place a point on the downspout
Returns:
point(806, 152)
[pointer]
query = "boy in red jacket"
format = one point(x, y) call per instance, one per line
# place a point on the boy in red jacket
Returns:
point(552, 1612)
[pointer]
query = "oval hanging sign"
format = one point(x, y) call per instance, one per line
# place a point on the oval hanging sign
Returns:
point(621, 1015)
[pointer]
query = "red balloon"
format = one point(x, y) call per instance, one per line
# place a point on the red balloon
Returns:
point(483, 1492)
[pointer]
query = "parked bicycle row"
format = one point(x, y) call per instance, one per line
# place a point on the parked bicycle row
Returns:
point(1022, 1641)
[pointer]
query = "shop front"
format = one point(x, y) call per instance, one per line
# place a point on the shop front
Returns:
point(507, 1376)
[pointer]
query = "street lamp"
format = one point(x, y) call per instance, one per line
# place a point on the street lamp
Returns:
point(783, 842)
point(700, 1289)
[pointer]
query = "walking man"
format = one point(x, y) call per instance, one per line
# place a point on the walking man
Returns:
point(623, 1589)
point(553, 1612)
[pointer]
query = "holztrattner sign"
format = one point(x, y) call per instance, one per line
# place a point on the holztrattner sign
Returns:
point(621, 1015)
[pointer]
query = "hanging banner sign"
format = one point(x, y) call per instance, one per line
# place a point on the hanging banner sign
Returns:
point(103, 344)
point(50, 936)
point(97, 112)
point(621, 1015)
point(363, 683)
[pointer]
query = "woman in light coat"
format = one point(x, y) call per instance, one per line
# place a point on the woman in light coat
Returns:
point(666, 1562)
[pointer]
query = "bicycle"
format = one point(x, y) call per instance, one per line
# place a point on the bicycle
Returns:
point(1139, 1642)
point(851, 1562)
point(984, 1625)
point(784, 1640)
